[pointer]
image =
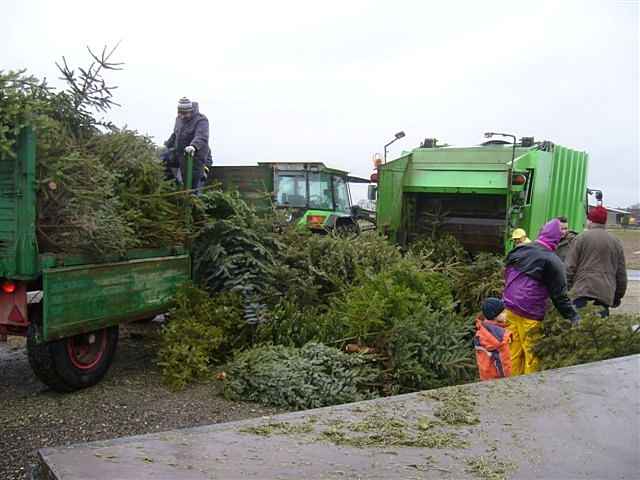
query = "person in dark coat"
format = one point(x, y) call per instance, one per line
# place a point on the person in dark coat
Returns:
point(596, 269)
point(190, 135)
point(533, 273)
point(568, 236)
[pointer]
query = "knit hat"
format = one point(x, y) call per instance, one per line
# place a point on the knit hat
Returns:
point(185, 105)
point(518, 233)
point(492, 307)
point(598, 215)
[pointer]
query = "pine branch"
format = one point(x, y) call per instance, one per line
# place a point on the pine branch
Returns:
point(87, 88)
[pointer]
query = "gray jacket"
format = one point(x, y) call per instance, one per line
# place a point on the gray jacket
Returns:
point(596, 266)
point(195, 132)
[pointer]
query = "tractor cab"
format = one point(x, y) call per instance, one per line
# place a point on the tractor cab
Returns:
point(314, 195)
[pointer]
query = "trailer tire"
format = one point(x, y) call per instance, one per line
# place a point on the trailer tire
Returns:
point(61, 366)
point(41, 362)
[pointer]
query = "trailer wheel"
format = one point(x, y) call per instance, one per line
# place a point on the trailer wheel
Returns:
point(74, 362)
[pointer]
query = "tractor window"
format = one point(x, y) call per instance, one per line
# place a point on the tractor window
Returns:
point(340, 194)
point(320, 191)
point(292, 190)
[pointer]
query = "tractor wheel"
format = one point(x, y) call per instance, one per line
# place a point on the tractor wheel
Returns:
point(72, 363)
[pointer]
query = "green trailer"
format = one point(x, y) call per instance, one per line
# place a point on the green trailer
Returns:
point(481, 193)
point(69, 307)
point(315, 196)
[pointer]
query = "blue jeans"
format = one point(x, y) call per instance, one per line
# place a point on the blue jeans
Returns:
point(582, 302)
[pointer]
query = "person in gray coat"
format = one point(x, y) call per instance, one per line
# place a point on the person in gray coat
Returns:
point(596, 270)
point(568, 236)
point(190, 135)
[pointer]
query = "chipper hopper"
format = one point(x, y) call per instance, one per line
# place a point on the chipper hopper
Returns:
point(480, 194)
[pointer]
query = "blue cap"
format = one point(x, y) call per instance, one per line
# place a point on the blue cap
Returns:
point(492, 307)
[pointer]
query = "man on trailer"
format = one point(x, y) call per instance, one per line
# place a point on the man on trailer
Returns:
point(190, 136)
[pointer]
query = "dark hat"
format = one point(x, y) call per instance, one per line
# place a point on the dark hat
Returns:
point(492, 307)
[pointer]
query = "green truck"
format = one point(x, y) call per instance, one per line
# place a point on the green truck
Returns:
point(314, 196)
point(480, 194)
point(69, 307)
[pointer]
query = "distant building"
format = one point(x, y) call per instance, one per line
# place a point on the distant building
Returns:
point(635, 214)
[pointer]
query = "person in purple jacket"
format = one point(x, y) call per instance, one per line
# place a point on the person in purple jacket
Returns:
point(534, 273)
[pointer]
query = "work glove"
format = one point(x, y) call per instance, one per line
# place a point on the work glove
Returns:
point(190, 150)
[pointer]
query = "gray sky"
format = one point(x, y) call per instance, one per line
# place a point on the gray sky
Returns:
point(332, 81)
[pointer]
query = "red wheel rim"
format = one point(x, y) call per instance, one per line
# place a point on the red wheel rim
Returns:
point(85, 351)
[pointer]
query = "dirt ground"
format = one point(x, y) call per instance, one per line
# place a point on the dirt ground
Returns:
point(131, 400)
point(631, 242)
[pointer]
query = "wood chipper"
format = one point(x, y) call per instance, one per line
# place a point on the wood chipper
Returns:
point(480, 194)
point(314, 196)
point(69, 307)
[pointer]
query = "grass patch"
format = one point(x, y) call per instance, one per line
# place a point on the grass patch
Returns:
point(489, 468)
point(438, 440)
point(281, 428)
point(630, 239)
point(374, 430)
point(379, 430)
point(452, 414)
point(458, 406)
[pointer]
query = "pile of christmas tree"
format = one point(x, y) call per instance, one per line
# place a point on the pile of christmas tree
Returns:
point(101, 189)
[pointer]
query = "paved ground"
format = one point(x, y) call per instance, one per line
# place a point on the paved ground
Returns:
point(131, 400)
point(631, 301)
point(32, 417)
point(578, 422)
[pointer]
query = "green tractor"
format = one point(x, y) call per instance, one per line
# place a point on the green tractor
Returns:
point(314, 196)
